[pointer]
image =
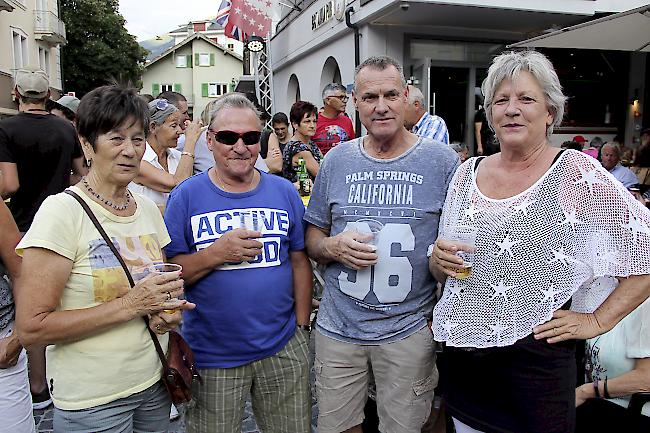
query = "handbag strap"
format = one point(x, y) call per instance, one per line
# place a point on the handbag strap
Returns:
point(109, 242)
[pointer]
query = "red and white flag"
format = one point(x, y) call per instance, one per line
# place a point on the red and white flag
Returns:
point(243, 18)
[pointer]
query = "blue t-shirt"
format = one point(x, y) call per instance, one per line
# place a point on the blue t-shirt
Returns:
point(245, 311)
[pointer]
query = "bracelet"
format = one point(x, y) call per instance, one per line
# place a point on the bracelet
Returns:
point(191, 155)
point(605, 391)
point(596, 391)
point(304, 327)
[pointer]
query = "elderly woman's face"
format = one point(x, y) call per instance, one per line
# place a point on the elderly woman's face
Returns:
point(117, 154)
point(168, 132)
point(520, 115)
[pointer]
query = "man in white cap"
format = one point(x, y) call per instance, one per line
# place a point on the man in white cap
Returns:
point(66, 107)
point(37, 153)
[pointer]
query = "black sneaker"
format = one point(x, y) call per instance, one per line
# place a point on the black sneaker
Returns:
point(41, 400)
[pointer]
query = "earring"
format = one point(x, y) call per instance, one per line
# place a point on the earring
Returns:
point(89, 162)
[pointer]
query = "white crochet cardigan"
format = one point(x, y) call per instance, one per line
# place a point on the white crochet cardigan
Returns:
point(567, 236)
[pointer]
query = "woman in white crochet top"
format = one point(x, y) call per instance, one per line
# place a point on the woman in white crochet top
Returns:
point(562, 253)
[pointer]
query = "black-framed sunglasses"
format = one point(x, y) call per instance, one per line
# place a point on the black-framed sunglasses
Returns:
point(231, 137)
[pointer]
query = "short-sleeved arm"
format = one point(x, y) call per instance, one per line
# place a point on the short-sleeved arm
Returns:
point(612, 227)
point(318, 212)
point(637, 332)
point(297, 147)
point(177, 222)
point(349, 129)
point(297, 230)
point(629, 178)
point(55, 227)
point(6, 154)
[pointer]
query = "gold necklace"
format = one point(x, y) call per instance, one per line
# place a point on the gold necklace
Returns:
point(223, 183)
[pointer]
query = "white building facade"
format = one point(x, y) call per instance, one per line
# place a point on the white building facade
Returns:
point(446, 47)
point(31, 34)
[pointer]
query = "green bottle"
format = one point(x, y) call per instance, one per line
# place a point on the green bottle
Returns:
point(303, 178)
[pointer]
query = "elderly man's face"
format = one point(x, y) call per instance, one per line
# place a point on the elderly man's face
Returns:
point(381, 98)
point(412, 114)
point(234, 161)
point(338, 100)
point(609, 157)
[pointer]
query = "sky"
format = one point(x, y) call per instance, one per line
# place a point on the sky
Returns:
point(146, 19)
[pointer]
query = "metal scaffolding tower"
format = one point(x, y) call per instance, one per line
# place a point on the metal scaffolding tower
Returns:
point(264, 79)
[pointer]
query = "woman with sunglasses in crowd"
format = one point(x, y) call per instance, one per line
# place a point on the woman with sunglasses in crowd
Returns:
point(303, 117)
point(163, 166)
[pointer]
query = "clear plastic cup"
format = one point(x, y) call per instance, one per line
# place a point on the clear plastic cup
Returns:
point(463, 235)
point(370, 226)
point(163, 268)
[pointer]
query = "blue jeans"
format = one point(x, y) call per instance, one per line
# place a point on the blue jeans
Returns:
point(145, 411)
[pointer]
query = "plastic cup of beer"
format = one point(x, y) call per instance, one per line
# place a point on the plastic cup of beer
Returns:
point(464, 236)
point(372, 227)
point(163, 268)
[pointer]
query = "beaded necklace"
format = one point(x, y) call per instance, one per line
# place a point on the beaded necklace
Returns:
point(109, 203)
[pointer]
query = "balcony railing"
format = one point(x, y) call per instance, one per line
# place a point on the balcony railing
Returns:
point(49, 28)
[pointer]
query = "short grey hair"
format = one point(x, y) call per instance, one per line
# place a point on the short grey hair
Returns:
point(596, 142)
point(614, 146)
point(233, 100)
point(507, 66)
point(380, 63)
point(415, 95)
point(332, 88)
point(158, 116)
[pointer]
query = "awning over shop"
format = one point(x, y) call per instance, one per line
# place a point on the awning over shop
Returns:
point(625, 31)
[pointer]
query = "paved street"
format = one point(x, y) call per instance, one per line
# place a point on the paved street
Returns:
point(43, 418)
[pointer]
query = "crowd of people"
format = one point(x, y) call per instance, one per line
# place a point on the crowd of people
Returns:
point(476, 278)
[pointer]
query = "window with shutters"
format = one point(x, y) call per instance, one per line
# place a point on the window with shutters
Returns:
point(204, 59)
point(181, 61)
point(217, 89)
point(166, 88)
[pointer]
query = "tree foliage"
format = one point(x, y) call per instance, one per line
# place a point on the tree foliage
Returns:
point(99, 50)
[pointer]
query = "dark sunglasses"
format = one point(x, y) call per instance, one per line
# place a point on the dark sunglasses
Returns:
point(231, 137)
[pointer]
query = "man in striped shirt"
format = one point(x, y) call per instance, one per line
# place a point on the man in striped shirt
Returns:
point(420, 122)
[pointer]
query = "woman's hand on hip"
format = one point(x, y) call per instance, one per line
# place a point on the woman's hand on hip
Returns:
point(568, 325)
point(155, 293)
point(10, 349)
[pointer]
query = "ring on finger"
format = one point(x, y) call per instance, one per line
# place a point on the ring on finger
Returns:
point(169, 296)
point(158, 327)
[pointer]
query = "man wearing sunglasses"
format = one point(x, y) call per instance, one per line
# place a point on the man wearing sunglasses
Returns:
point(333, 126)
point(238, 234)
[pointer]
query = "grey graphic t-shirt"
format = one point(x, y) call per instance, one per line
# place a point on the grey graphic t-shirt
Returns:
point(401, 198)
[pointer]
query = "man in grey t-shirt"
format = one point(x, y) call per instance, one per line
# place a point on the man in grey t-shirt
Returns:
point(378, 288)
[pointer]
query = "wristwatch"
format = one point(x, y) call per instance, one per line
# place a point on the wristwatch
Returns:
point(304, 327)
point(430, 250)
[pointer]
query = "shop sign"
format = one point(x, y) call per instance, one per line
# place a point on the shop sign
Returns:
point(323, 15)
